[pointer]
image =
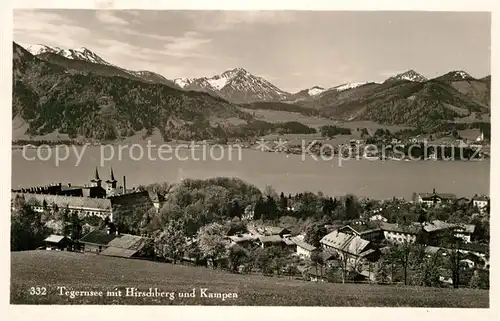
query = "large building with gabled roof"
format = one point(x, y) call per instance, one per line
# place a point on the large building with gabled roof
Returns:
point(89, 200)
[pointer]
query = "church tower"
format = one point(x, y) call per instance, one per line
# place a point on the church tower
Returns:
point(96, 181)
point(111, 184)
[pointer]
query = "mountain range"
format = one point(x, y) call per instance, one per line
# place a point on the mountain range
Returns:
point(81, 100)
point(68, 82)
point(83, 59)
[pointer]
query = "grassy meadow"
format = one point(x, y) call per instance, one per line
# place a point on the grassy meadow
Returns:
point(87, 272)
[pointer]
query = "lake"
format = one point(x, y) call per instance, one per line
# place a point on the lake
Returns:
point(287, 173)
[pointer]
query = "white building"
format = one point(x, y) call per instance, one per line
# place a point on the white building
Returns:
point(481, 202)
point(431, 199)
point(304, 249)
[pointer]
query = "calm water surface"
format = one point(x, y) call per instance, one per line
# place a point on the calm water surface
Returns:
point(287, 173)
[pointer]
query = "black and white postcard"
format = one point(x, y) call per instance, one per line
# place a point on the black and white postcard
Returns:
point(280, 158)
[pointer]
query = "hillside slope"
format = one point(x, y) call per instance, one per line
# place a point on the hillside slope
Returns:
point(49, 97)
point(99, 273)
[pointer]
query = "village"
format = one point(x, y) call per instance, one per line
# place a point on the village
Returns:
point(436, 239)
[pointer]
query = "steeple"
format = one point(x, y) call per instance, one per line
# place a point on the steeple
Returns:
point(96, 181)
point(112, 181)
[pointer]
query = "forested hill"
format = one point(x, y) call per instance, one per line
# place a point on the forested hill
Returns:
point(50, 98)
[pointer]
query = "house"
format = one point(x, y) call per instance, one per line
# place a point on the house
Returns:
point(315, 275)
point(289, 244)
point(481, 202)
point(431, 199)
point(465, 232)
point(462, 201)
point(347, 246)
point(303, 249)
point(437, 228)
point(370, 231)
point(395, 233)
point(57, 242)
point(378, 217)
point(271, 240)
point(272, 230)
point(246, 240)
point(109, 243)
point(157, 199)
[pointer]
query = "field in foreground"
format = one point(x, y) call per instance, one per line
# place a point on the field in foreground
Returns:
point(87, 272)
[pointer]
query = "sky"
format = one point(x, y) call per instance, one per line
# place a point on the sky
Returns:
point(292, 49)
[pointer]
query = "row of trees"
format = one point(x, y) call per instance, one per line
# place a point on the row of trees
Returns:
point(212, 247)
point(421, 268)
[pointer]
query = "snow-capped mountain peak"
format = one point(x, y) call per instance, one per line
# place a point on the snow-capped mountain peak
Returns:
point(461, 74)
point(76, 54)
point(183, 82)
point(316, 90)
point(348, 86)
point(410, 75)
point(235, 84)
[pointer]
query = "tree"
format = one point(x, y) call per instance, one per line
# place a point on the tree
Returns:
point(27, 231)
point(234, 209)
point(401, 255)
point(271, 211)
point(65, 221)
point(235, 227)
point(277, 258)
point(452, 255)
point(382, 275)
point(171, 242)
point(260, 209)
point(425, 267)
point(262, 260)
point(480, 280)
point(76, 227)
point(347, 264)
point(270, 259)
point(193, 251)
point(351, 207)
point(237, 256)
point(314, 234)
point(283, 203)
point(211, 242)
point(270, 192)
point(317, 259)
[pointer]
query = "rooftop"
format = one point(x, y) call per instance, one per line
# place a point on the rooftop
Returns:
point(123, 245)
point(273, 230)
point(483, 198)
point(55, 238)
point(71, 201)
point(345, 242)
point(271, 239)
point(302, 244)
point(242, 238)
point(100, 237)
point(395, 228)
point(447, 196)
